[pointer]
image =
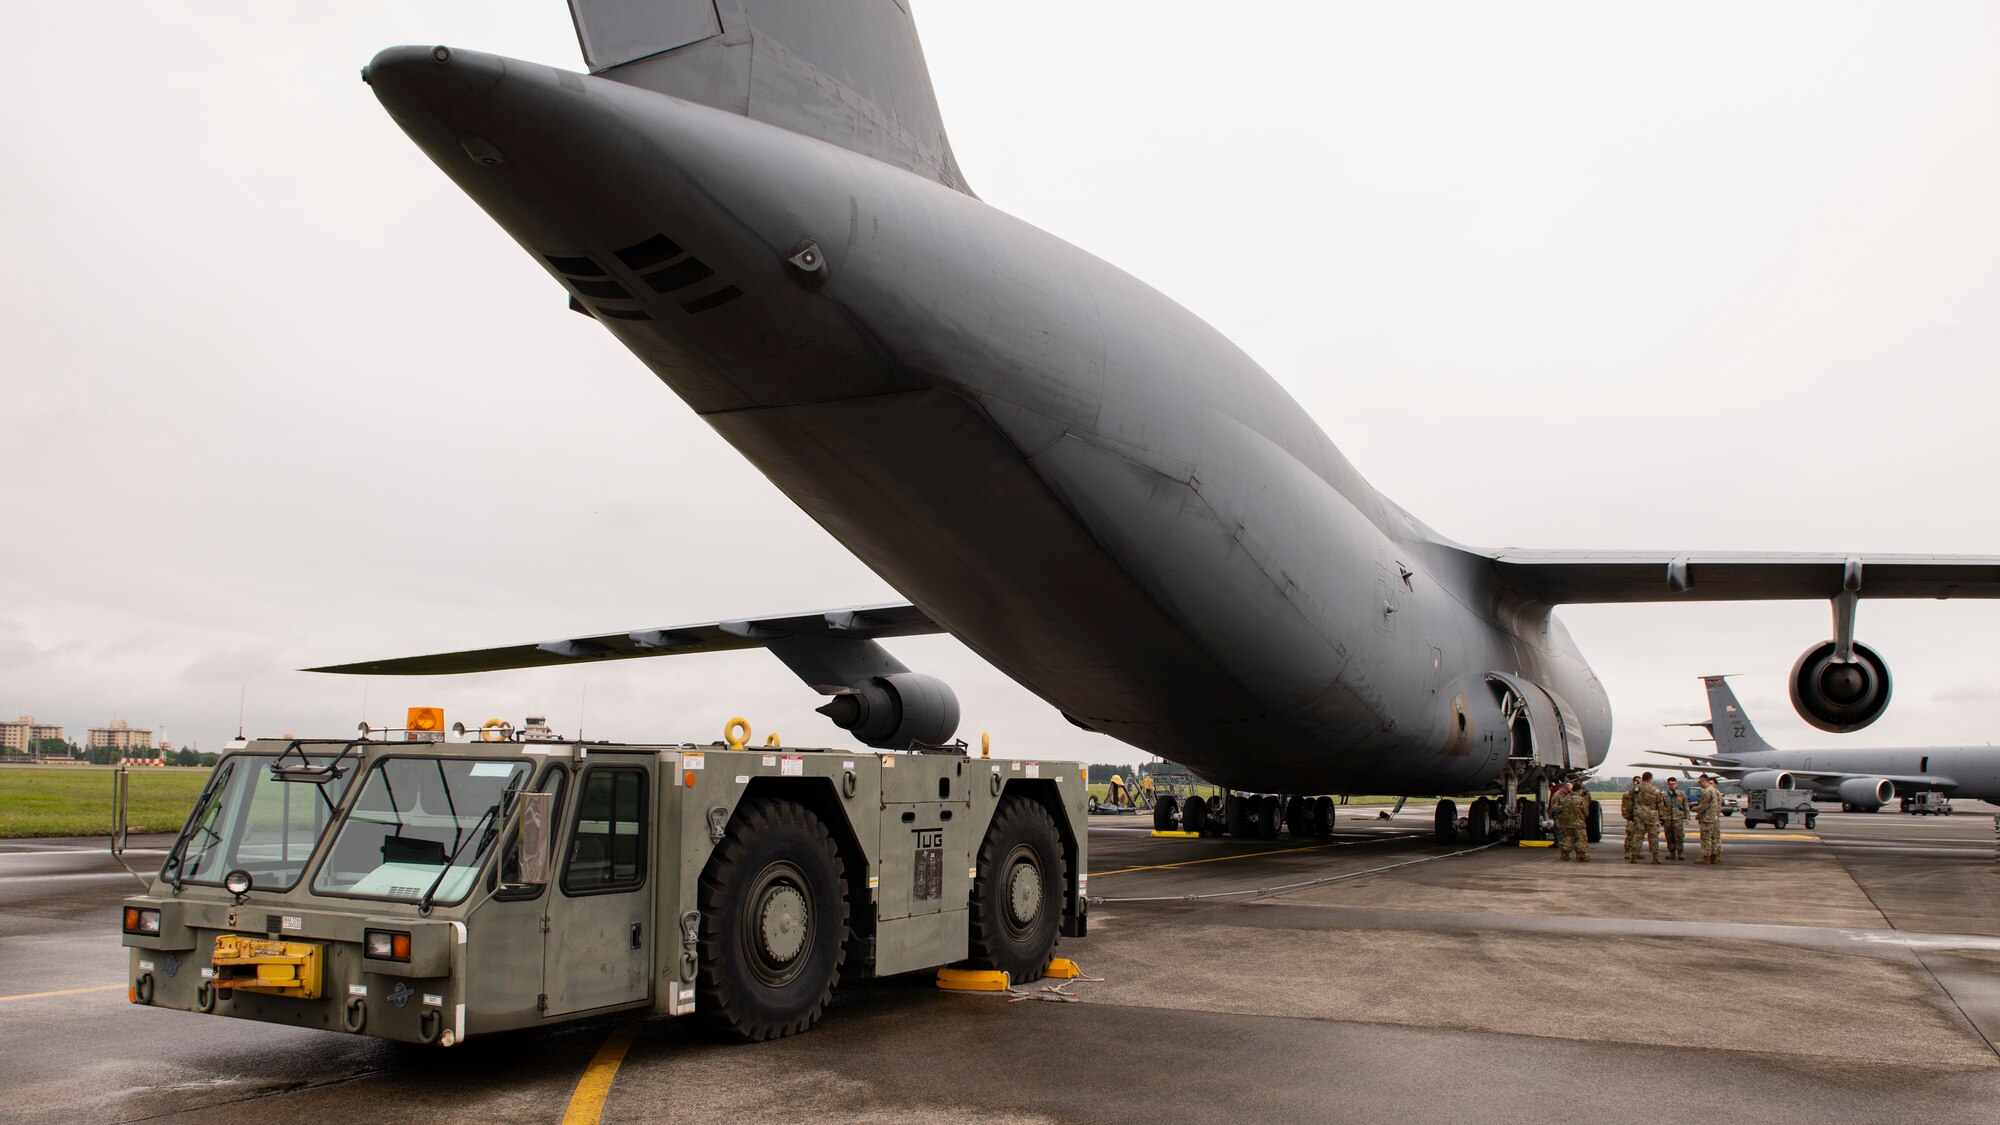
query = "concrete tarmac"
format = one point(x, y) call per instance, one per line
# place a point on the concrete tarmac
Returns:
point(1843, 974)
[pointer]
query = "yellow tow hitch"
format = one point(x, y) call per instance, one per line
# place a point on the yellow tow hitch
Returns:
point(281, 968)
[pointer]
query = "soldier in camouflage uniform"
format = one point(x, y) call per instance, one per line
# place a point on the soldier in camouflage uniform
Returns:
point(1676, 820)
point(1572, 809)
point(1631, 831)
point(1649, 807)
point(1708, 814)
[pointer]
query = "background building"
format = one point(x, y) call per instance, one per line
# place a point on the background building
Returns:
point(121, 736)
point(21, 734)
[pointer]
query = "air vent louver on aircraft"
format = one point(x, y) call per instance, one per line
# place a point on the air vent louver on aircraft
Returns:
point(575, 267)
point(610, 290)
point(719, 297)
point(651, 252)
point(621, 314)
point(680, 275)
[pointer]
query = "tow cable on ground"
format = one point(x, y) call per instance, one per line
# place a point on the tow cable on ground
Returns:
point(1099, 900)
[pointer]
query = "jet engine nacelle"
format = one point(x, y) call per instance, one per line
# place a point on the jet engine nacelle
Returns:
point(1767, 779)
point(1840, 696)
point(890, 712)
point(1867, 792)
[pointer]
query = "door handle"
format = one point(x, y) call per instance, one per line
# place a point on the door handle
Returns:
point(635, 934)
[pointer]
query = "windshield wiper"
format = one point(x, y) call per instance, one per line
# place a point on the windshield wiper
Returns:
point(424, 904)
point(177, 855)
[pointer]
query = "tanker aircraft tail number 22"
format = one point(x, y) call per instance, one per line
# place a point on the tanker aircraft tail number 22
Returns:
point(1079, 479)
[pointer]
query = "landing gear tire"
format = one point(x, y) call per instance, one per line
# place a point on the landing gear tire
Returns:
point(773, 920)
point(1194, 817)
point(1164, 819)
point(1322, 818)
point(1446, 822)
point(1238, 815)
point(1269, 810)
point(1017, 895)
point(1530, 811)
point(1479, 823)
point(1593, 823)
point(1298, 816)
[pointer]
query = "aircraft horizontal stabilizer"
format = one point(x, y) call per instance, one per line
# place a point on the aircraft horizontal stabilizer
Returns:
point(868, 622)
point(1576, 577)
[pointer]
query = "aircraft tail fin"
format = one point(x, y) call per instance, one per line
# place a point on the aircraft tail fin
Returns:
point(849, 72)
point(1734, 733)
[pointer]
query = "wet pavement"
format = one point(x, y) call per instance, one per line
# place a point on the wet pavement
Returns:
point(1846, 973)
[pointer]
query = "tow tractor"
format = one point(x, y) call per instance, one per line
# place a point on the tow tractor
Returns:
point(427, 891)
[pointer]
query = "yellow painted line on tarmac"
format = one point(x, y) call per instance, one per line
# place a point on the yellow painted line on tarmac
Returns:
point(61, 992)
point(586, 1105)
point(1211, 859)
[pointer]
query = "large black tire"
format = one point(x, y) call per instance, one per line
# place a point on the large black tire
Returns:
point(1194, 815)
point(1017, 895)
point(1479, 822)
point(1531, 818)
point(773, 923)
point(1238, 816)
point(1323, 816)
point(1163, 814)
point(1270, 814)
point(1298, 817)
point(1593, 823)
point(1446, 822)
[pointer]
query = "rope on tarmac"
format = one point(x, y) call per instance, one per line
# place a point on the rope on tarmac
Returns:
point(1098, 900)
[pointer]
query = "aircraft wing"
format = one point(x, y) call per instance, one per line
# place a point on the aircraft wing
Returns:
point(868, 622)
point(1573, 577)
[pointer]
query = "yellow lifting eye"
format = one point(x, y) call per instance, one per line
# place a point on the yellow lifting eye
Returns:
point(736, 741)
point(771, 740)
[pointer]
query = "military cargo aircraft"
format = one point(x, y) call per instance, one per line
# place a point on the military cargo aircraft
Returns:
point(1861, 780)
point(1081, 480)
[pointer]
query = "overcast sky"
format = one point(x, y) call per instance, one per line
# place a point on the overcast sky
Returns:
point(1690, 276)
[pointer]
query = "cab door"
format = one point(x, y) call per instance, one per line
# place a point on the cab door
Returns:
point(596, 953)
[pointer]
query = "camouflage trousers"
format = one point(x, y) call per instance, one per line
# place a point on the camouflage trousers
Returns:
point(1676, 839)
point(1648, 833)
point(1573, 841)
point(1711, 838)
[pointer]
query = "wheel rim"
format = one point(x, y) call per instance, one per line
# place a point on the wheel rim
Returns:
point(778, 924)
point(1023, 891)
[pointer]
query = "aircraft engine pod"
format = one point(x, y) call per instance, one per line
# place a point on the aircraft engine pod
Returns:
point(1767, 779)
point(1836, 696)
point(1869, 793)
point(890, 712)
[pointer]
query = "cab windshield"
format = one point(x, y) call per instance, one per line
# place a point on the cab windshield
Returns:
point(249, 820)
point(420, 829)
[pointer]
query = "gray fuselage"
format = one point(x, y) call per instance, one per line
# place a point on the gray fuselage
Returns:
point(1074, 475)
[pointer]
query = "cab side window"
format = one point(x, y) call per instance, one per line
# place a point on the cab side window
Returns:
point(607, 849)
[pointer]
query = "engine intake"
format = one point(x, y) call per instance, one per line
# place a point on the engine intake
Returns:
point(890, 712)
point(1767, 779)
point(1836, 696)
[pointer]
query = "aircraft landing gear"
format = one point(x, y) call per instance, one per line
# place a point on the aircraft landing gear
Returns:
point(1479, 823)
point(1447, 821)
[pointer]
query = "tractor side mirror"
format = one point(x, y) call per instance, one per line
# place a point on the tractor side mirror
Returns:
point(537, 831)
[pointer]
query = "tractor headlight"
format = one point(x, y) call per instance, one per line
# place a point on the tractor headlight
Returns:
point(139, 920)
point(387, 945)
